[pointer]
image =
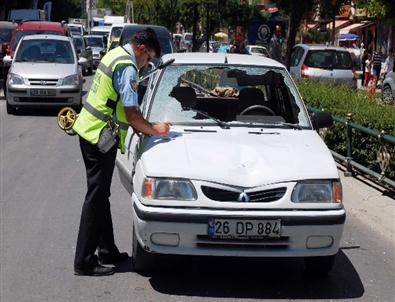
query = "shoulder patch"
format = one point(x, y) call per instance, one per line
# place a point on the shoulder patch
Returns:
point(133, 85)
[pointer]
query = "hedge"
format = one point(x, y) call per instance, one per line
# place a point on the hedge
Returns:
point(340, 100)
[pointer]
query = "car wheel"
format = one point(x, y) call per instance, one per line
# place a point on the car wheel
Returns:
point(141, 260)
point(388, 97)
point(319, 266)
point(11, 109)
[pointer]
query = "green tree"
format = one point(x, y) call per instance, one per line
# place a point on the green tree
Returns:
point(380, 9)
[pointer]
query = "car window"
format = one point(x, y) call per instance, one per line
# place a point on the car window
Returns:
point(78, 43)
point(320, 59)
point(296, 56)
point(21, 33)
point(116, 32)
point(95, 41)
point(343, 60)
point(75, 30)
point(45, 51)
point(220, 91)
point(5, 34)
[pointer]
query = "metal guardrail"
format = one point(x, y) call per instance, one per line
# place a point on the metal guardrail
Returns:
point(383, 157)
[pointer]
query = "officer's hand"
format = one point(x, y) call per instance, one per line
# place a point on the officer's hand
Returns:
point(162, 129)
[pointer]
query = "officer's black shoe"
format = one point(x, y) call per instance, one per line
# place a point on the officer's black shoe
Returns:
point(98, 271)
point(112, 258)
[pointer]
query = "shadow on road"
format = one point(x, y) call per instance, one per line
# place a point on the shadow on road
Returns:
point(255, 279)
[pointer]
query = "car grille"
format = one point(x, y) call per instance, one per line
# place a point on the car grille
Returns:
point(205, 241)
point(269, 195)
point(40, 99)
point(43, 82)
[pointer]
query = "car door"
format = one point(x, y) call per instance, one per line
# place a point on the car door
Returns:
point(296, 62)
point(126, 162)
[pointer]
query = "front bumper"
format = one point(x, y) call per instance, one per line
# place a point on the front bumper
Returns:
point(58, 96)
point(184, 232)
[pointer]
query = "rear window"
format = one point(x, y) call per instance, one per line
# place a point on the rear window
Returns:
point(329, 59)
point(20, 33)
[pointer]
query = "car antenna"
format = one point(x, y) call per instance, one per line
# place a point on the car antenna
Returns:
point(226, 60)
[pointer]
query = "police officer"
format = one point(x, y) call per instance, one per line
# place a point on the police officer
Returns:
point(112, 101)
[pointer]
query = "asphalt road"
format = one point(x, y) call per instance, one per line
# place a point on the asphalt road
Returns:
point(42, 185)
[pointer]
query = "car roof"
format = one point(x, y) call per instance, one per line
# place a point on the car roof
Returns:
point(321, 47)
point(46, 37)
point(55, 26)
point(220, 58)
point(6, 24)
point(101, 28)
point(157, 28)
point(93, 36)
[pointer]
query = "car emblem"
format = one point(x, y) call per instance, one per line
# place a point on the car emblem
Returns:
point(244, 197)
point(43, 82)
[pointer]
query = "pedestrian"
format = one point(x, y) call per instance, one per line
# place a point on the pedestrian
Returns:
point(112, 101)
point(275, 50)
point(368, 68)
point(389, 62)
point(377, 57)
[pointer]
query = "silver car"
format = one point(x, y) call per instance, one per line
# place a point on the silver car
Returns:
point(44, 73)
point(321, 62)
point(96, 43)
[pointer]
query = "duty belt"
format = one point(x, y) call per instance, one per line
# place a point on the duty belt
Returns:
point(104, 117)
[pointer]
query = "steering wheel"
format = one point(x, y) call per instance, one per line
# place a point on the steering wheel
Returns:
point(257, 107)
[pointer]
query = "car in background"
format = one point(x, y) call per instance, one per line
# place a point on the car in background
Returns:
point(115, 33)
point(321, 62)
point(246, 174)
point(19, 15)
point(76, 29)
point(213, 46)
point(114, 43)
point(257, 50)
point(177, 42)
point(186, 42)
point(30, 28)
point(96, 43)
point(84, 51)
point(44, 73)
point(388, 90)
point(6, 29)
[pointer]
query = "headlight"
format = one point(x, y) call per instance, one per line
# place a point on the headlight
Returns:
point(71, 80)
point(15, 79)
point(165, 188)
point(320, 191)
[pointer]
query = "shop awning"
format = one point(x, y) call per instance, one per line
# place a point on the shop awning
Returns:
point(354, 27)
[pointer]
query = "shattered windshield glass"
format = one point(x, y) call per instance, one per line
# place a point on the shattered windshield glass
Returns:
point(237, 95)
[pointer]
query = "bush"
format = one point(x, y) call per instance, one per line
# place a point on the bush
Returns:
point(341, 100)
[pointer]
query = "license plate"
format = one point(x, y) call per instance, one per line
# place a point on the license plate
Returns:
point(243, 229)
point(42, 92)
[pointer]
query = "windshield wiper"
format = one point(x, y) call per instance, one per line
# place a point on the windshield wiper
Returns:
point(290, 125)
point(222, 124)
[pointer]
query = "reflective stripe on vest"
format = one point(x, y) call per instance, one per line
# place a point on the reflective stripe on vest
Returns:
point(90, 122)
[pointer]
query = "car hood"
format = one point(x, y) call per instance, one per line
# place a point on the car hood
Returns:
point(239, 158)
point(43, 70)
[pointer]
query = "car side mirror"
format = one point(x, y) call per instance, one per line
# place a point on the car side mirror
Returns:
point(78, 51)
point(4, 47)
point(82, 61)
point(88, 48)
point(321, 120)
point(7, 60)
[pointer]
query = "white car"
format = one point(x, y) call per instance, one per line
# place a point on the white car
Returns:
point(243, 171)
point(388, 91)
point(257, 50)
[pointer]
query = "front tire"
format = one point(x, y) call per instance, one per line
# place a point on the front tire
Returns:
point(142, 260)
point(10, 109)
point(319, 266)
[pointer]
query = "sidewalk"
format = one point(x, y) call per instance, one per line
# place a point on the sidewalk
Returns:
point(370, 203)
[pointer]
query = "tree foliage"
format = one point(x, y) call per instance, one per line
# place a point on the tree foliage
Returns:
point(380, 9)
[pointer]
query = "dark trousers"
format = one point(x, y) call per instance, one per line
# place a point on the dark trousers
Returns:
point(96, 229)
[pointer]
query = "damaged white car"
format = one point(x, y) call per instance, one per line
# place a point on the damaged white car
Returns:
point(243, 171)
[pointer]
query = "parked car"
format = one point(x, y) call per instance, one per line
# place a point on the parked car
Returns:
point(321, 62)
point(96, 42)
point(84, 51)
point(388, 90)
point(6, 29)
point(44, 73)
point(257, 50)
point(30, 28)
point(76, 29)
point(243, 171)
